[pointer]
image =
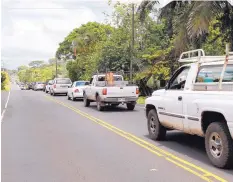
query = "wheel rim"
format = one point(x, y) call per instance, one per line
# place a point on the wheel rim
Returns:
point(215, 145)
point(152, 124)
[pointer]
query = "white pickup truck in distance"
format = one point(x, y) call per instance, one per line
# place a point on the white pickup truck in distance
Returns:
point(105, 94)
point(197, 100)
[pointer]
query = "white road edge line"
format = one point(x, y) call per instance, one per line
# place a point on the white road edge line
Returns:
point(4, 110)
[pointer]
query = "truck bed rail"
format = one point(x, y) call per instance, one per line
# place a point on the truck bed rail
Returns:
point(212, 86)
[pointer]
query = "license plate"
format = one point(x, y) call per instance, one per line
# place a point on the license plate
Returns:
point(64, 86)
point(121, 99)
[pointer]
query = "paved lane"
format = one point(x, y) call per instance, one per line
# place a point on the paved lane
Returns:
point(45, 141)
point(4, 95)
point(190, 148)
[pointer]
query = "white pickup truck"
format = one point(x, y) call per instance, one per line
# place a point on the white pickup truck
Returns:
point(197, 100)
point(103, 94)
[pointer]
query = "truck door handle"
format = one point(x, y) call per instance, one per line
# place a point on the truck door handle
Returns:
point(179, 98)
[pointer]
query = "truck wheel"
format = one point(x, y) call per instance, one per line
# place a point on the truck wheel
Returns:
point(219, 145)
point(156, 130)
point(73, 98)
point(99, 107)
point(130, 106)
point(86, 101)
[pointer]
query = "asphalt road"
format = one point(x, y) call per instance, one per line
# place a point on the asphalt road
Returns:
point(4, 95)
point(51, 139)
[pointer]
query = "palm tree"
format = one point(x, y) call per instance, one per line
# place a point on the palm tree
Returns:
point(190, 21)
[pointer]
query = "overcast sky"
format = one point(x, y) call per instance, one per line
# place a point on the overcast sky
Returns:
point(32, 29)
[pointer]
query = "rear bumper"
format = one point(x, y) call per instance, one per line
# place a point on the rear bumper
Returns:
point(119, 99)
point(78, 94)
point(60, 91)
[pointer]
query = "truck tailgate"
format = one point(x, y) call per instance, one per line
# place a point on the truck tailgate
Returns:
point(127, 91)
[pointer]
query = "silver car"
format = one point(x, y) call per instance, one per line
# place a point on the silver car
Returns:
point(60, 86)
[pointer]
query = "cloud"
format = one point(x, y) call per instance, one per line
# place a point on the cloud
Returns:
point(32, 30)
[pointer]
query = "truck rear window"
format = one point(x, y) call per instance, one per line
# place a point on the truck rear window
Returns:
point(116, 78)
point(212, 73)
point(63, 81)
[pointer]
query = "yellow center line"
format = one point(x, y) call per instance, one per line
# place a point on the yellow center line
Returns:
point(202, 173)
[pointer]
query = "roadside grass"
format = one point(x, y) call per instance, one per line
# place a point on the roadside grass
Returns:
point(141, 100)
point(5, 81)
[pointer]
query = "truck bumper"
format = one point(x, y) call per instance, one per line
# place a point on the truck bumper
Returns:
point(119, 99)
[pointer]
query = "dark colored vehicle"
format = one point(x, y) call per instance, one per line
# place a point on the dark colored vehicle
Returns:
point(31, 85)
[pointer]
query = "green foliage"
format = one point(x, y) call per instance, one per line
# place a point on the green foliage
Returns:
point(5, 81)
point(215, 43)
point(43, 72)
point(36, 64)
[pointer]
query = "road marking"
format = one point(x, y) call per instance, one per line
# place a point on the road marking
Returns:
point(192, 168)
point(4, 110)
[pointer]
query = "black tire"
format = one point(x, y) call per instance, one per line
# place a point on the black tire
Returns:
point(54, 94)
point(130, 106)
point(68, 97)
point(86, 101)
point(73, 98)
point(99, 107)
point(65, 94)
point(156, 130)
point(51, 93)
point(114, 105)
point(225, 158)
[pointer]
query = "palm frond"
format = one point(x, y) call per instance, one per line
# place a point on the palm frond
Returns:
point(144, 7)
point(200, 17)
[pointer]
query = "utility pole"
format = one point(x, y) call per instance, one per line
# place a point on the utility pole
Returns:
point(132, 46)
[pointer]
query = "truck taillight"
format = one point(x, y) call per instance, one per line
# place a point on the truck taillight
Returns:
point(137, 91)
point(76, 90)
point(104, 91)
point(54, 86)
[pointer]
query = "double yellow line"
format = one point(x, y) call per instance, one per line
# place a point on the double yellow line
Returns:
point(194, 169)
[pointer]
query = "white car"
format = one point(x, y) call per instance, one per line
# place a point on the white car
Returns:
point(76, 90)
point(60, 86)
point(39, 86)
point(197, 100)
point(47, 87)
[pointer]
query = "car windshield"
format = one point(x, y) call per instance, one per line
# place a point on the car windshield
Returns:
point(63, 81)
point(81, 83)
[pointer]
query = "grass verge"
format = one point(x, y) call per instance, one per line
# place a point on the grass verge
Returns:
point(141, 100)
